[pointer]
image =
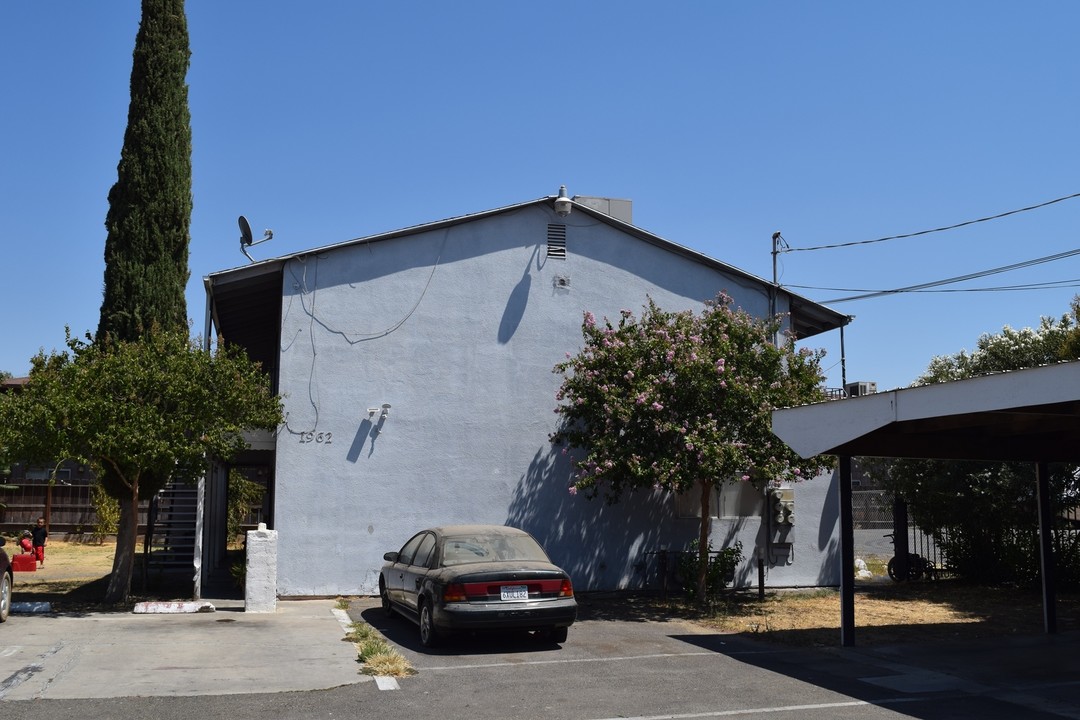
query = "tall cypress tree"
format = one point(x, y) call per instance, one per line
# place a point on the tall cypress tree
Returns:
point(149, 217)
point(148, 223)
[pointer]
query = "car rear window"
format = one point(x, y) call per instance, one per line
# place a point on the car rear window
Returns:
point(461, 549)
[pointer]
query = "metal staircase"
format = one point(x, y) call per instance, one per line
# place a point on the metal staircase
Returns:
point(169, 542)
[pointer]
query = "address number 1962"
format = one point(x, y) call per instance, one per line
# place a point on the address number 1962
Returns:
point(322, 438)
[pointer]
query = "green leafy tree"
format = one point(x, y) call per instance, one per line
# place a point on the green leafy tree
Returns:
point(982, 513)
point(106, 512)
point(1011, 349)
point(141, 413)
point(149, 216)
point(242, 495)
point(1070, 347)
point(682, 402)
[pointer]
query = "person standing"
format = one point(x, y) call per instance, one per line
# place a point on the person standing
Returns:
point(40, 535)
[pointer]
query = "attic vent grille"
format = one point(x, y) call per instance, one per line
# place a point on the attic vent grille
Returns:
point(556, 242)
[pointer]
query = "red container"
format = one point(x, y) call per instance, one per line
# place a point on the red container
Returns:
point(23, 563)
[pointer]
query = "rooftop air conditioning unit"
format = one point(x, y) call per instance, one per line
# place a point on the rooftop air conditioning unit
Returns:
point(858, 389)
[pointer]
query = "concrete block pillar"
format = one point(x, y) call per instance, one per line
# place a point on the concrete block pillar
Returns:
point(260, 590)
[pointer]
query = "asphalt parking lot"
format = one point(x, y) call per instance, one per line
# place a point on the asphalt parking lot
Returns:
point(293, 663)
point(652, 670)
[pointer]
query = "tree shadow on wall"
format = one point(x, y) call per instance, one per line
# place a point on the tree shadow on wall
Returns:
point(602, 546)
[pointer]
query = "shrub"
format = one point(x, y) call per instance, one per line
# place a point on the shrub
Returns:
point(720, 572)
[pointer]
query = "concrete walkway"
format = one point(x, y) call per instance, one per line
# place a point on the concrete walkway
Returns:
point(301, 646)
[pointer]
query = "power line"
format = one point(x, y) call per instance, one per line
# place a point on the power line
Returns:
point(1050, 285)
point(787, 248)
point(960, 278)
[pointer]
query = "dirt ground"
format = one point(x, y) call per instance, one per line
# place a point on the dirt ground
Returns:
point(884, 613)
point(75, 576)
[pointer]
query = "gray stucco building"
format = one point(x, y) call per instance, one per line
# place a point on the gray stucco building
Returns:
point(416, 372)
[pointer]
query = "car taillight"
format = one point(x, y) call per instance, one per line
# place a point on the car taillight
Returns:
point(454, 592)
point(567, 590)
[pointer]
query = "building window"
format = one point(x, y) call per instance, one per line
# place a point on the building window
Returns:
point(729, 500)
point(740, 500)
point(688, 504)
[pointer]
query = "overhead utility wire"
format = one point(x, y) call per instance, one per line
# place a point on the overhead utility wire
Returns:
point(1049, 285)
point(787, 248)
point(961, 278)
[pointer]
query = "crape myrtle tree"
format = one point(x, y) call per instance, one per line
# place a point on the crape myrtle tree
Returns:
point(139, 413)
point(148, 221)
point(682, 402)
point(983, 513)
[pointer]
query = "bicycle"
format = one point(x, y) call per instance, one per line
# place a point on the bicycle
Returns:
point(918, 566)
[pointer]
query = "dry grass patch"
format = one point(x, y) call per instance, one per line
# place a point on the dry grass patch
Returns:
point(74, 578)
point(67, 561)
point(889, 614)
point(884, 614)
point(376, 654)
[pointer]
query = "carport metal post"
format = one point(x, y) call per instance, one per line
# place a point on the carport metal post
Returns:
point(1046, 548)
point(847, 556)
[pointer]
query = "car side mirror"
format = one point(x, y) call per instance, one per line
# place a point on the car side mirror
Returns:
point(390, 557)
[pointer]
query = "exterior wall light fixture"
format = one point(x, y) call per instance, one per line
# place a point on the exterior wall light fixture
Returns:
point(562, 203)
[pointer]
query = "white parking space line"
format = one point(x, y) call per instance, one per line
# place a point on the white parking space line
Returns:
point(567, 661)
point(346, 622)
point(750, 712)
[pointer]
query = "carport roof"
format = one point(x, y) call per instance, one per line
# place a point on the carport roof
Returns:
point(1027, 415)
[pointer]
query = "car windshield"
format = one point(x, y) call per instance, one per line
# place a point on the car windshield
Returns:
point(479, 548)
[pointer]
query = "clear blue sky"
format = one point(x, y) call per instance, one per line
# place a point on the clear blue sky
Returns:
point(723, 122)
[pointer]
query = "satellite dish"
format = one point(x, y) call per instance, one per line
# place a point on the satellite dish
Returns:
point(245, 231)
point(246, 240)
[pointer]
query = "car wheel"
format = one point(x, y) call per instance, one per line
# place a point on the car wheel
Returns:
point(5, 595)
point(429, 636)
point(388, 609)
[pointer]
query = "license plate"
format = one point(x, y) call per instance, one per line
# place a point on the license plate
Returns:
point(514, 592)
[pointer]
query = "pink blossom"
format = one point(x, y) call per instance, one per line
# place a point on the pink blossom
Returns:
point(657, 406)
point(573, 489)
point(590, 319)
point(745, 478)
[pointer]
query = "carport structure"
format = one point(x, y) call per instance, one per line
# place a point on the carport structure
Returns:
point(1028, 415)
